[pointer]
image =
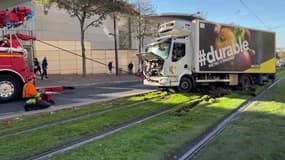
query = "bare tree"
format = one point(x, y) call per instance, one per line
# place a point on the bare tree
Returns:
point(141, 23)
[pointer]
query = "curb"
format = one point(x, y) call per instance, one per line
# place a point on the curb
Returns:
point(51, 109)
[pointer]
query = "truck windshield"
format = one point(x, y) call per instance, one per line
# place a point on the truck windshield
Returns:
point(160, 49)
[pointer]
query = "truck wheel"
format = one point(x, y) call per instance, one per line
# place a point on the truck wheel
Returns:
point(185, 85)
point(244, 82)
point(10, 88)
point(271, 77)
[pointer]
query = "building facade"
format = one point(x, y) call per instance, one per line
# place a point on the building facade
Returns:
point(58, 33)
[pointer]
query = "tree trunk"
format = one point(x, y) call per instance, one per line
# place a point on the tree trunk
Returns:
point(140, 44)
point(115, 45)
point(130, 32)
point(83, 49)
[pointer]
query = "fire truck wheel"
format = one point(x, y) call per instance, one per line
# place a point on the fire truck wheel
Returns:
point(185, 85)
point(10, 88)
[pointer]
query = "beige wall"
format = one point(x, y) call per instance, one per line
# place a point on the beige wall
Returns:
point(63, 62)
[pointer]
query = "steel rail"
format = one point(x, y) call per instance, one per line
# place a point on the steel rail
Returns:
point(75, 118)
point(218, 128)
point(85, 140)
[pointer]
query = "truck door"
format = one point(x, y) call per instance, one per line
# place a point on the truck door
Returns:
point(178, 58)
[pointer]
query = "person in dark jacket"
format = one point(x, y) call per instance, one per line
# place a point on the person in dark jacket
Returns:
point(110, 66)
point(37, 67)
point(44, 68)
point(130, 67)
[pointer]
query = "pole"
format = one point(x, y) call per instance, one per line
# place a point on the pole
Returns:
point(115, 41)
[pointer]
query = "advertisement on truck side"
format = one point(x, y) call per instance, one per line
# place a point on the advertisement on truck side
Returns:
point(233, 48)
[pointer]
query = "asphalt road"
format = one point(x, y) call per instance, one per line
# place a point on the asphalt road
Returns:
point(83, 95)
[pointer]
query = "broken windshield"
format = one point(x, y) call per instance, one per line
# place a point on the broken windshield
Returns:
point(160, 49)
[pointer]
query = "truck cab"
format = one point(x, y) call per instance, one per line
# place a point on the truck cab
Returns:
point(169, 57)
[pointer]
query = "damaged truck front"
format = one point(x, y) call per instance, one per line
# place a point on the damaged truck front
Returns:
point(157, 60)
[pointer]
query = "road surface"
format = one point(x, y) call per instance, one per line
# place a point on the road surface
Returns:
point(83, 95)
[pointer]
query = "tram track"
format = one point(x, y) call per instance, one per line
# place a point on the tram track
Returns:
point(92, 138)
point(205, 138)
point(127, 123)
point(76, 118)
point(143, 112)
point(75, 144)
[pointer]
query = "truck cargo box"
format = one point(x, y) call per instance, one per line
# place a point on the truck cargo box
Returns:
point(226, 48)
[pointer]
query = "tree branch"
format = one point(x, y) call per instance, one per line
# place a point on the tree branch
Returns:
point(96, 22)
point(78, 16)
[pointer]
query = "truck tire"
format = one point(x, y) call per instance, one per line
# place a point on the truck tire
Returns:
point(244, 82)
point(185, 84)
point(271, 77)
point(10, 88)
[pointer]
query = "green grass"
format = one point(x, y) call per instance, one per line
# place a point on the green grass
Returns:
point(155, 138)
point(21, 123)
point(280, 72)
point(258, 133)
point(20, 146)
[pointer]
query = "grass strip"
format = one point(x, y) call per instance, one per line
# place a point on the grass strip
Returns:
point(258, 132)
point(279, 73)
point(155, 138)
point(22, 123)
point(28, 144)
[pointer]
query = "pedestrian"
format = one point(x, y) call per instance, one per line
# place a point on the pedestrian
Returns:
point(110, 66)
point(130, 68)
point(44, 67)
point(37, 67)
point(33, 97)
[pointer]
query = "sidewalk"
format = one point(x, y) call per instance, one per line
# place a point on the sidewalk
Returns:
point(78, 80)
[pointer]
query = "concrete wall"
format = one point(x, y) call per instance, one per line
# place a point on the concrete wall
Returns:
point(64, 62)
point(58, 25)
point(59, 29)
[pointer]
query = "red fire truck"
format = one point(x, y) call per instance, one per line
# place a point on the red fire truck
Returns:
point(14, 70)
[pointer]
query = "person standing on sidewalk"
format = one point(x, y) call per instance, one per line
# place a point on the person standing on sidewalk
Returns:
point(44, 68)
point(110, 66)
point(37, 67)
point(130, 67)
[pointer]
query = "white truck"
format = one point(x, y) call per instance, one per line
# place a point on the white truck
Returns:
point(199, 52)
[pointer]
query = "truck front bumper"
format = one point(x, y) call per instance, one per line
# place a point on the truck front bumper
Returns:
point(161, 81)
